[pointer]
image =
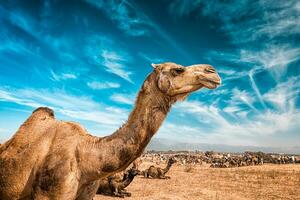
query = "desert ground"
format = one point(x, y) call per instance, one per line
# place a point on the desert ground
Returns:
point(268, 181)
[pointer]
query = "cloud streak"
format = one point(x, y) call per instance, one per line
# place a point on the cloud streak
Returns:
point(101, 50)
point(123, 98)
point(246, 132)
point(76, 107)
point(95, 85)
point(125, 16)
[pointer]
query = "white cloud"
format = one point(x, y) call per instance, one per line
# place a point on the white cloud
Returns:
point(284, 95)
point(62, 76)
point(123, 98)
point(232, 109)
point(250, 23)
point(270, 125)
point(271, 55)
point(103, 51)
point(204, 113)
point(10, 97)
point(76, 107)
point(115, 63)
point(134, 22)
point(125, 15)
point(101, 117)
point(285, 21)
point(151, 59)
point(255, 88)
point(261, 20)
point(95, 85)
point(172, 130)
point(242, 96)
point(274, 58)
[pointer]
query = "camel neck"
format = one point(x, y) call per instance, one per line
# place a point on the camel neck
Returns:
point(150, 110)
point(167, 167)
point(128, 180)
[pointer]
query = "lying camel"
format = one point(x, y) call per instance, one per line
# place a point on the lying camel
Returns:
point(157, 172)
point(114, 186)
point(52, 159)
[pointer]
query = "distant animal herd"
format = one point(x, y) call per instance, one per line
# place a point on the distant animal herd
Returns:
point(115, 185)
point(224, 160)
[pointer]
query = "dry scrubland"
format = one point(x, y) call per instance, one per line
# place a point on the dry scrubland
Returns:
point(268, 181)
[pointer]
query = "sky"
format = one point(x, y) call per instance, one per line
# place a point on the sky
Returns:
point(88, 59)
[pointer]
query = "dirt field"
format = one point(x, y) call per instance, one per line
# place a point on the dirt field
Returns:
point(253, 182)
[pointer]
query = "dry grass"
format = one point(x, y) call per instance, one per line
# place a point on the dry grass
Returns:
point(189, 168)
point(253, 182)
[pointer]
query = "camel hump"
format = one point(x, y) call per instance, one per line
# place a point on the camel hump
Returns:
point(38, 125)
point(43, 111)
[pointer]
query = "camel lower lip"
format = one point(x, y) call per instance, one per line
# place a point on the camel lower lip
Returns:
point(216, 82)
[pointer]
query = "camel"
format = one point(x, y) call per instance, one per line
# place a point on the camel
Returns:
point(157, 172)
point(113, 186)
point(51, 159)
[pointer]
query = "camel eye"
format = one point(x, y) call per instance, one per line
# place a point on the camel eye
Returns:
point(177, 71)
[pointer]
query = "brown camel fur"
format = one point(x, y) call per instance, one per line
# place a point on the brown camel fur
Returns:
point(114, 186)
point(52, 159)
point(157, 172)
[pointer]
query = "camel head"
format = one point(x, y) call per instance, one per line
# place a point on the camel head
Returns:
point(172, 160)
point(178, 81)
point(133, 171)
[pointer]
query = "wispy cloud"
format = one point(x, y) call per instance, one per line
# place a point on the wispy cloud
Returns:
point(8, 96)
point(95, 85)
point(284, 95)
point(103, 43)
point(242, 96)
point(114, 63)
point(123, 98)
point(125, 16)
point(62, 76)
point(237, 132)
point(271, 24)
point(275, 58)
point(134, 22)
point(76, 107)
point(103, 51)
point(151, 59)
point(256, 29)
point(185, 132)
point(254, 86)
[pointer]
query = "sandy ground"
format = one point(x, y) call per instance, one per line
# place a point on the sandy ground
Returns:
point(253, 182)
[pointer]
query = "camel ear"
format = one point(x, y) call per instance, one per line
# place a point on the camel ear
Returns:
point(164, 83)
point(154, 65)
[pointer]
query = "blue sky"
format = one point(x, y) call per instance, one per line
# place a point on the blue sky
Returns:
point(88, 59)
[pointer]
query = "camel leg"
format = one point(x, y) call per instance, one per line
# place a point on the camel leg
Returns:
point(117, 193)
point(124, 192)
point(88, 191)
point(164, 177)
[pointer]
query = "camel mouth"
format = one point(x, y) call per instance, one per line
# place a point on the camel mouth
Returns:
point(215, 82)
point(212, 84)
